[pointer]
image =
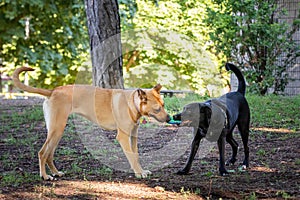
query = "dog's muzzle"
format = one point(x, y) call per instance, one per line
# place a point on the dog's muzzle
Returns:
point(177, 117)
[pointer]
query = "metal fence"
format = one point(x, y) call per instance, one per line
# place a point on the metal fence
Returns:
point(293, 87)
point(293, 71)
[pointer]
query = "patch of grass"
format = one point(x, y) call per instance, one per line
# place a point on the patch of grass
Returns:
point(76, 168)
point(261, 152)
point(252, 196)
point(266, 111)
point(30, 114)
point(175, 104)
point(17, 178)
point(209, 174)
point(283, 194)
point(197, 191)
point(14, 119)
point(275, 111)
point(66, 151)
point(105, 171)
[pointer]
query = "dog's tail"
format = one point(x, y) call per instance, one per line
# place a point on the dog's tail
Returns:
point(240, 77)
point(27, 88)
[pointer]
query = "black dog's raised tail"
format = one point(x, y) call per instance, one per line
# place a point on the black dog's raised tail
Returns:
point(240, 77)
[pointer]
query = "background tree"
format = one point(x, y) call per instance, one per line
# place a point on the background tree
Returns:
point(57, 42)
point(105, 42)
point(250, 34)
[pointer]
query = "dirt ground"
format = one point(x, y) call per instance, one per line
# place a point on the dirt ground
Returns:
point(273, 174)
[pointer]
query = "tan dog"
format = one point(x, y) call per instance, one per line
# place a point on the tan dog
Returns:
point(111, 109)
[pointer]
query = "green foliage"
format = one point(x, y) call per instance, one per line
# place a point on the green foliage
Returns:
point(57, 46)
point(55, 41)
point(127, 10)
point(255, 35)
point(171, 34)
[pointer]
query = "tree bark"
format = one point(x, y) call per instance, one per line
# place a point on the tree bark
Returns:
point(105, 42)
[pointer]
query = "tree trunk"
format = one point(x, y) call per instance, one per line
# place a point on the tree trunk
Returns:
point(105, 42)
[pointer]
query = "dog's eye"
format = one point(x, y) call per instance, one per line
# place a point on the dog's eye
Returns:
point(156, 108)
point(187, 110)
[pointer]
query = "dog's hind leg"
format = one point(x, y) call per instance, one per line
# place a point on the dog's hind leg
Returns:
point(50, 162)
point(56, 121)
point(46, 155)
point(244, 131)
point(234, 146)
point(221, 146)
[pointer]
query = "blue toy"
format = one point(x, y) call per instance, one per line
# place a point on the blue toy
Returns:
point(172, 121)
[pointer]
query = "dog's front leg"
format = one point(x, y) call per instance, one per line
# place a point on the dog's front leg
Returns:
point(127, 143)
point(134, 139)
point(221, 146)
point(134, 147)
point(195, 146)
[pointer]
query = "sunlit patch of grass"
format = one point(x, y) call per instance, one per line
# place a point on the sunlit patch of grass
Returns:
point(276, 112)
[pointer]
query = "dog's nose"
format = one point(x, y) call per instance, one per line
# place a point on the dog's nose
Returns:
point(177, 117)
point(168, 118)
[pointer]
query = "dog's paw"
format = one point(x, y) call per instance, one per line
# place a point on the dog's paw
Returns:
point(230, 162)
point(224, 174)
point(182, 172)
point(49, 178)
point(245, 164)
point(242, 168)
point(58, 174)
point(143, 174)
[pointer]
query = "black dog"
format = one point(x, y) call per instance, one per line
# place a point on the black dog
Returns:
point(215, 120)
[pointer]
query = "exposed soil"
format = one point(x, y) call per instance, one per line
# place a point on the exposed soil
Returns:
point(273, 174)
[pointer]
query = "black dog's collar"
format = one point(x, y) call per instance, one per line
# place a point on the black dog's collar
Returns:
point(225, 116)
point(212, 135)
point(223, 110)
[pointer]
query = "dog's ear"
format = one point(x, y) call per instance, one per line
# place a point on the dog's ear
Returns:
point(142, 95)
point(157, 88)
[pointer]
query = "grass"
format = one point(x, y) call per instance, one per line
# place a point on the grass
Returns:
point(267, 111)
point(275, 111)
